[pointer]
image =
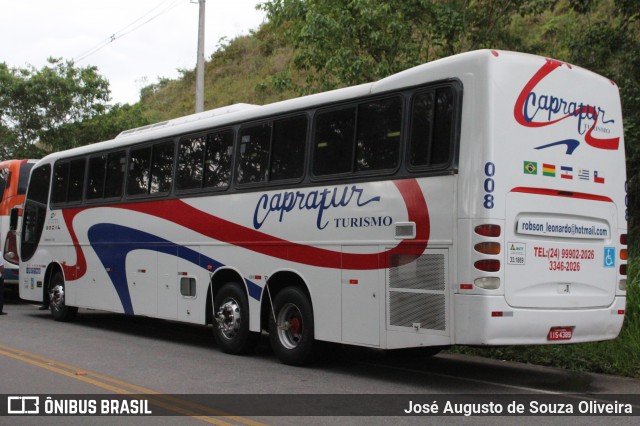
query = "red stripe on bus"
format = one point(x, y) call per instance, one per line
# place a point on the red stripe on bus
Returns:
point(185, 215)
point(558, 193)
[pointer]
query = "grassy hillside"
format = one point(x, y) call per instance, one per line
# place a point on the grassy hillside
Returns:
point(248, 69)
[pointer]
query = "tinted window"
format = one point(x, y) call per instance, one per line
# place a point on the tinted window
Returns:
point(217, 160)
point(139, 165)
point(115, 174)
point(190, 163)
point(371, 131)
point(288, 148)
point(76, 180)
point(39, 184)
point(333, 150)
point(432, 120)
point(60, 183)
point(162, 168)
point(4, 175)
point(378, 140)
point(25, 168)
point(151, 169)
point(255, 143)
point(34, 211)
point(96, 177)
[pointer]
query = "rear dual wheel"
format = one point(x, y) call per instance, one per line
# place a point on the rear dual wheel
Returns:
point(292, 331)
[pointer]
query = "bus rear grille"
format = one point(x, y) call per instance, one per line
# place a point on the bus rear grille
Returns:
point(417, 310)
point(426, 273)
point(416, 291)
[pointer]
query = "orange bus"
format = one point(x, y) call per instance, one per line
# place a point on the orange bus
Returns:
point(14, 176)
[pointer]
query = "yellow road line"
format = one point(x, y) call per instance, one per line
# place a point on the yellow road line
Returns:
point(165, 401)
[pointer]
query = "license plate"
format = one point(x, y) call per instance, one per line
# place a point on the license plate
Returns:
point(560, 333)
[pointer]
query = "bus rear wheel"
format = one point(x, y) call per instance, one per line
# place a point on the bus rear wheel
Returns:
point(59, 309)
point(231, 321)
point(291, 328)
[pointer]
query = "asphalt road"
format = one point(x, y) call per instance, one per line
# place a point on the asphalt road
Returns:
point(185, 379)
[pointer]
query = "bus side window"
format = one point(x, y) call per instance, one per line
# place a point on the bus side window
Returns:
point(378, 140)
point(288, 148)
point(60, 183)
point(162, 168)
point(115, 174)
point(218, 159)
point(96, 177)
point(190, 163)
point(139, 164)
point(431, 128)
point(76, 180)
point(334, 135)
point(255, 144)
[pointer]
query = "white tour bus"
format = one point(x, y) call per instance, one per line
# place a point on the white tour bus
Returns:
point(477, 199)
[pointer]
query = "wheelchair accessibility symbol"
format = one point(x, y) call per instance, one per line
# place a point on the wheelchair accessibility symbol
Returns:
point(609, 257)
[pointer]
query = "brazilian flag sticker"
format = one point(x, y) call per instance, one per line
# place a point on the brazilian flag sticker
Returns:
point(530, 168)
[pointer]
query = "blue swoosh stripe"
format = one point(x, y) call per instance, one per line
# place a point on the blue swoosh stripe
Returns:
point(104, 236)
point(571, 144)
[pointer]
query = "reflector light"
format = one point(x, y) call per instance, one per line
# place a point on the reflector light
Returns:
point(620, 311)
point(466, 286)
point(623, 239)
point(488, 283)
point(623, 269)
point(497, 313)
point(488, 265)
point(622, 285)
point(488, 230)
point(623, 254)
point(487, 248)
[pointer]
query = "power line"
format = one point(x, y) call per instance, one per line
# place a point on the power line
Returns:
point(129, 28)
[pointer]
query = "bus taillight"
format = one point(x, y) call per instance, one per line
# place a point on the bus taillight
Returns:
point(488, 248)
point(11, 248)
point(623, 269)
point(488, 265)
point(624, 255)
point(488, 230)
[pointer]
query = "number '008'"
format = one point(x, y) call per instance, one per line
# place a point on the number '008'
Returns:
point(489, 185)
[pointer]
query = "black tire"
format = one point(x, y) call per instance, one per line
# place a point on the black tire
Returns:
point(293, 338)
point(59, 309)
point(231, 321)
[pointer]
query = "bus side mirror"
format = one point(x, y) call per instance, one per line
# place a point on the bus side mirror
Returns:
point(13, 218)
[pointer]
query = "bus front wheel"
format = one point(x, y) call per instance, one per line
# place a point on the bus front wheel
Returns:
point(231, 321)
point(59, 309)
point(291, 328)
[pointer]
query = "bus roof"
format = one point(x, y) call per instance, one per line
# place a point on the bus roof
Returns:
point(440, 69)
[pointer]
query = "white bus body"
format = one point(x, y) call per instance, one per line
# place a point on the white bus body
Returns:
point(519, 238)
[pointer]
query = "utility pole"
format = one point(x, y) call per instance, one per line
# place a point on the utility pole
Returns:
point(200, 64)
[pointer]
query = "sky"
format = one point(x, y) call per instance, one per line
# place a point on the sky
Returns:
point(132, 42)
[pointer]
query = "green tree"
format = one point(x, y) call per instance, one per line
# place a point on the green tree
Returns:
point(347, 42)
point(38, 106)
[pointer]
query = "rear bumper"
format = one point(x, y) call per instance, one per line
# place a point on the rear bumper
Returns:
point(475, 324)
